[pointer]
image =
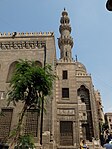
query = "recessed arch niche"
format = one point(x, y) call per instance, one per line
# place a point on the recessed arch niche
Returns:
point(84, 95)
point(11, 70)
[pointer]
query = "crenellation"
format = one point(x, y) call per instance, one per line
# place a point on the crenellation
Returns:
point(9, 33)
point(31, 33)
point(18, 34)
point(27, 33)
point(35, 33)
point(4, 34)
point(40, 33)
point(49, 33)
point(44, 33)
point(22, 33)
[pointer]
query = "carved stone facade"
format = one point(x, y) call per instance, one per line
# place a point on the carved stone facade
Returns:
point(71, 113)
point(30, 46)
point(99, 107)
point(108, 118)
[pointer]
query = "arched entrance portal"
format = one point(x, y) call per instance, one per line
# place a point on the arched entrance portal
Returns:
point(87, 128)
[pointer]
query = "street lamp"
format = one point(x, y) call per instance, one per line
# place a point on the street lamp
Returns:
point(109, 5)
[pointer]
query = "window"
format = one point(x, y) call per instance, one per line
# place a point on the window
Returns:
point(109, 119)
point(85, 131)
point(84, 114)
point(31, 126)
point(99, 103)
point(65, 92)
point(66, 53)
point(65, 75)
point(66, 133)
point(38, 63)
point(111, 126)
point(2, 95)
point(5, 122)
point(82, 99)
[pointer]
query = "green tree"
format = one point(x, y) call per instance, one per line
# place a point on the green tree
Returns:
point(29, 84)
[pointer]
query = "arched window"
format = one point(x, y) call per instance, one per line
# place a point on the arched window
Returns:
point(38, 63)
point(12, 68)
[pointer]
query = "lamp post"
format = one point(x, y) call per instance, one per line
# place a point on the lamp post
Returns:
point(109, 5)
point(41, 120)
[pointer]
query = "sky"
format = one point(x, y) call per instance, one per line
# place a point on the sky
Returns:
point(91, 30)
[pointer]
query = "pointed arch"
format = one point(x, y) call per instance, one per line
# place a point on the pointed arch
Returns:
point(11, 70)
point(84, 95)
point(83, 92)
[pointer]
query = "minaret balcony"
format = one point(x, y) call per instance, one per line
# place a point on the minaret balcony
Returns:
point(64, 27)
point(64, 20)
point(65, 41)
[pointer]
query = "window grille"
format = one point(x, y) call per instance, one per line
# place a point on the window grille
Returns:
point(66, 133)
point(5, 122)
point(31, 126)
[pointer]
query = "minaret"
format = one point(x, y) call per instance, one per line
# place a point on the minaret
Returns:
point(65, 42)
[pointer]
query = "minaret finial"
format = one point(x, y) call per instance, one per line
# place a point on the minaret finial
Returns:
point(76, 58)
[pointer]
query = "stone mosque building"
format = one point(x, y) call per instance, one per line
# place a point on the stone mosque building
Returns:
point(71, 111)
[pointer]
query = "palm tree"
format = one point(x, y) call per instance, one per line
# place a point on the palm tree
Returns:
point(29, 84)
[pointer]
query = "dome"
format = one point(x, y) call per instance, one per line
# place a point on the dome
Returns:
point(80, 67)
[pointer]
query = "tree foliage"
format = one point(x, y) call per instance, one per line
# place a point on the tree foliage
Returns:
point(29, 84)
point(25, 142)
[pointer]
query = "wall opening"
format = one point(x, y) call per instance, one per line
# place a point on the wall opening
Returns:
point(66, 133)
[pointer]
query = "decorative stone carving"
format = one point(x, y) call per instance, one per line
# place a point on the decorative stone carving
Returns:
point(64, 41)
point(66, 114)
point(27, 45)
point(21, 45)
point(63, 27)
point(67, 118)
point(66, 111)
